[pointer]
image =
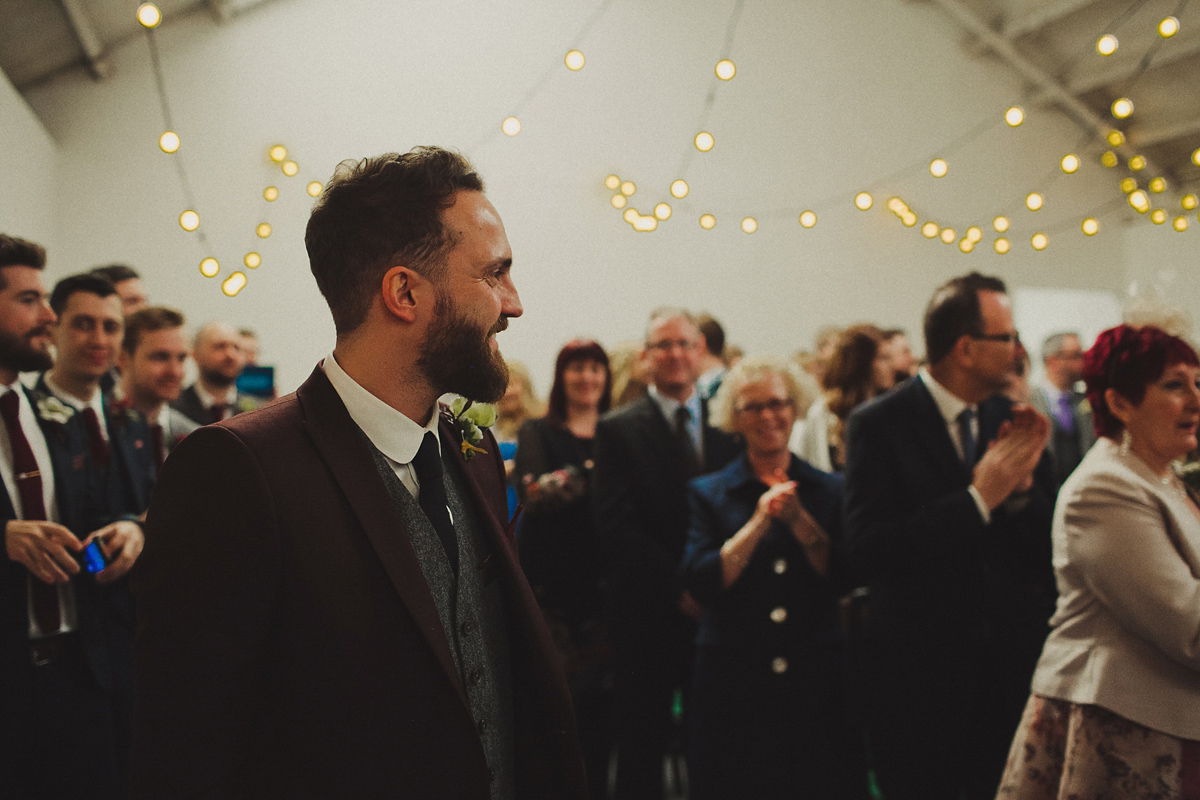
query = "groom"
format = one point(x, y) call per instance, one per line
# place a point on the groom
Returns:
point(329, 602)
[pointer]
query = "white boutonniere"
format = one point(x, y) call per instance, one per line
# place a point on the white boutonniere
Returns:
point(51, 409)
point(470, 418)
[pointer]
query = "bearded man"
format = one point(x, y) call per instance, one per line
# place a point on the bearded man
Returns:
point(329, 602)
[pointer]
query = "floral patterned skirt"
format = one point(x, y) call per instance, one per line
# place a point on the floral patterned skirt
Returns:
point(1067, 751)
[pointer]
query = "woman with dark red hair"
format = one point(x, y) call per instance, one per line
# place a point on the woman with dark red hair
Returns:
point(559, 549)
point(1115, 709)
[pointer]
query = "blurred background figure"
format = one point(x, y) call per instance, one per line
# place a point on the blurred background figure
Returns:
point(1057, 396)
point(518, 404)
point(823, 344)
point(860, 367)
point(217, 350)
point(153, 356)
point(630, 371)
point(249, 346)
point(560, 552)
point(128, 283)
point(712, 359)
point(904, 363)
point(768, 718)
point(1018, 389)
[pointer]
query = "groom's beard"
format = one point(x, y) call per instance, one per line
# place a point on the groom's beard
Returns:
point(17, 354)
point(456, 355)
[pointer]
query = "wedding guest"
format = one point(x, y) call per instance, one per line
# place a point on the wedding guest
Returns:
point(516, 406)
point(128, 283)
point(904, 363)
point(561, 553)
point(1072, 431)
point(219, 359)
point(824, 342)
point(712, 361)
point(769, 718)
point(631, 375)
point(1116, 691)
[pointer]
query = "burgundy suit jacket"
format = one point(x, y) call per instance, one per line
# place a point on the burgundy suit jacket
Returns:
point(288, 645)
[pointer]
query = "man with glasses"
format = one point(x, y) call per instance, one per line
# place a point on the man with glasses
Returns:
point(1070, 417)
point(949, 496)
point(646, 451)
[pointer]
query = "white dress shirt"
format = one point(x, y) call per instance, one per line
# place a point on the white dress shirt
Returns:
point(96, 403)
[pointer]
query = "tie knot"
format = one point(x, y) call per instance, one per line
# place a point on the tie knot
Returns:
point(427, 462)
point(966, 416)
point(683, 415)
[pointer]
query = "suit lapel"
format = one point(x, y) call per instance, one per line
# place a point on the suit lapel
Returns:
point(67, 446)
point(931, 432)
point(340, 443)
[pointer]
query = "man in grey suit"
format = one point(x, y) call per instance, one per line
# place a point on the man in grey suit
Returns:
point(1073, 432)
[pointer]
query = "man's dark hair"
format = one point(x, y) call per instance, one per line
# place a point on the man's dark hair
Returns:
point(117, 273)
point(954, 312)
point(16, 252)
point(148, 320)
point(83, 282)
point(714, 334)
point(379, 213)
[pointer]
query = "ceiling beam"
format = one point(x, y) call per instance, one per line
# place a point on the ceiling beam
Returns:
point(1035, 20)
point(93, 49)
point(1146, 137)
point(220, 10)
point(1171, 52)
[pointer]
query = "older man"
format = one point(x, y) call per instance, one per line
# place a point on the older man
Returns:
point(219, 360)
point(1072, 430)
point(330, 605)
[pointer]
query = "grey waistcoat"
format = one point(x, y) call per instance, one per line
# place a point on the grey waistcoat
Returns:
point(472, 615)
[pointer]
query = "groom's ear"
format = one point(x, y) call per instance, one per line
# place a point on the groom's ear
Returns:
point(400, 292)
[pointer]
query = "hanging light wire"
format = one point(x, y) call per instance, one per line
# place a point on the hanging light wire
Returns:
point(711, 98)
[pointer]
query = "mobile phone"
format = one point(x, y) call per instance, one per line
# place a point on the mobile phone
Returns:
point(257, 381)
point(93, 558)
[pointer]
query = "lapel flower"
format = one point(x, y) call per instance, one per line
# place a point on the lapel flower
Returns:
point(470, 418)
point(51, 409)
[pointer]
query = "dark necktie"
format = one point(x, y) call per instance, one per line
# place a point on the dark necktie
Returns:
point(216, 412)
point(156, 441)
point(428, 466)
point(96, 441)
point(691, 459)
point(966, 435)
point(33, 506)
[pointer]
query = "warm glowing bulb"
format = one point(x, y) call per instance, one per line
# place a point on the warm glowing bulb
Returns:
point(708, 221)
point(1128, 185)
point(938, 167)
point(252, 260)
point(1116, 138)
point(1180, 224)
point(1039, 241)
point(1196, 156)
point(149, 15)
point(1109, 159)
point(189, 220)
point(725, 69)
point(209, 267)
point(1188, 201)
point(645, 224)
point(1158, 217)
point(630, 215)
point(1158, 185)
point(169, 142)
point(909, 219)
point(930, 229)
point(628, 188)
point(619, 200)
point(948, 235)
point(1070, 163)
point(863, 201)
point(1168, 27)
point(1034, 201)
point(234, 284)
point(966, 245)
point(1001, 245)
point(808, 219)
point(1014, 116)
point(277, 153)
point(511, 126)
point(1140, 200)
point(612, 182)
point(270, 194)
point(314, 188)
point(1090, 226)
point(679, 188)
point(974, 233)
point(704, 141)
point(263, 230)
point(290, 168)
point(574, 60)
point(1122, 107)
point(1137, 163)
point(1000, 224)
point(1107, 44)
point(663, 211)
point(749, 225)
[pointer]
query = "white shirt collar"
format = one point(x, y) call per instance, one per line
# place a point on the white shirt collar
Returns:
point(669, 405)
point(393, 434)
point(949, 405)
point(96, 402)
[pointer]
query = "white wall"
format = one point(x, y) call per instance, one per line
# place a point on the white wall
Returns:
point(830, 97)
point(28, 171)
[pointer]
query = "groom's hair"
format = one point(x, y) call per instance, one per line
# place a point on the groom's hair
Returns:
point(379, 213)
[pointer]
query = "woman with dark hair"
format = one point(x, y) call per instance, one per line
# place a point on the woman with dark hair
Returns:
point(859, 369)
point(557, 542)
point(1115, 709)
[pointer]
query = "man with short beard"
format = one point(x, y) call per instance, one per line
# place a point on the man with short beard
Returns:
point(219, 361)
point(330, 605)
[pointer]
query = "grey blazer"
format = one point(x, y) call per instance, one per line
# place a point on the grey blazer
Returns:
point(1126, 632)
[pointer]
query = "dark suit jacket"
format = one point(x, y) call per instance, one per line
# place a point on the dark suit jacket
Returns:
point(188, 403)
point(288, 643)
point(641, 505)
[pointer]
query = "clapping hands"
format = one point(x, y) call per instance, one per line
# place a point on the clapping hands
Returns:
point(1011, 457)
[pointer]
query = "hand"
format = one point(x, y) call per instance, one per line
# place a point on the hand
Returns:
point(122, 543)
point(45, 548)
point(1011, 457)
point(688, 605)
point(779, 502)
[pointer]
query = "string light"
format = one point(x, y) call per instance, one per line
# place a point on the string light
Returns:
point(189, 220)
point(1196, 156)
point(974, 233)
point(1014, 116)
point(169, 142)
point(209, 267)
point(1180, 224)
point(1168, 27)
point(1039, 241)
point(863, 201)
point(808, 219)
point(234, 284)
point(1115, 138)
point(948, 235)
point(679, 189)
point(725, 69)
point(630, 215)
point(938, 167)
point(628, 188)
point(663, 211)
point(612, 182)
point(314, 188)
point(930, 229)
point(1158, 185)
point(290, 168)
point(1158, 217)
point(1070, 163)
point(1034, 201)
point(574, 60)
point(1122, 107)
point(966, 245)
point(749, 225)
point(1002, 245)
point(511, 126)
point(252, 260)
point(1109, 159)
point(644, 224)
point(708, 221)
point(270, 194)
point(704, 141)
point(1000, 224)
point(277, 153)
point(1137, 163)
point(1188, 201)
point(149, 15)
point(1090, 226)
point(1107, 44)
point(1140, 201)
point(1128, 185)
point(619, 200)
point(263, 230)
